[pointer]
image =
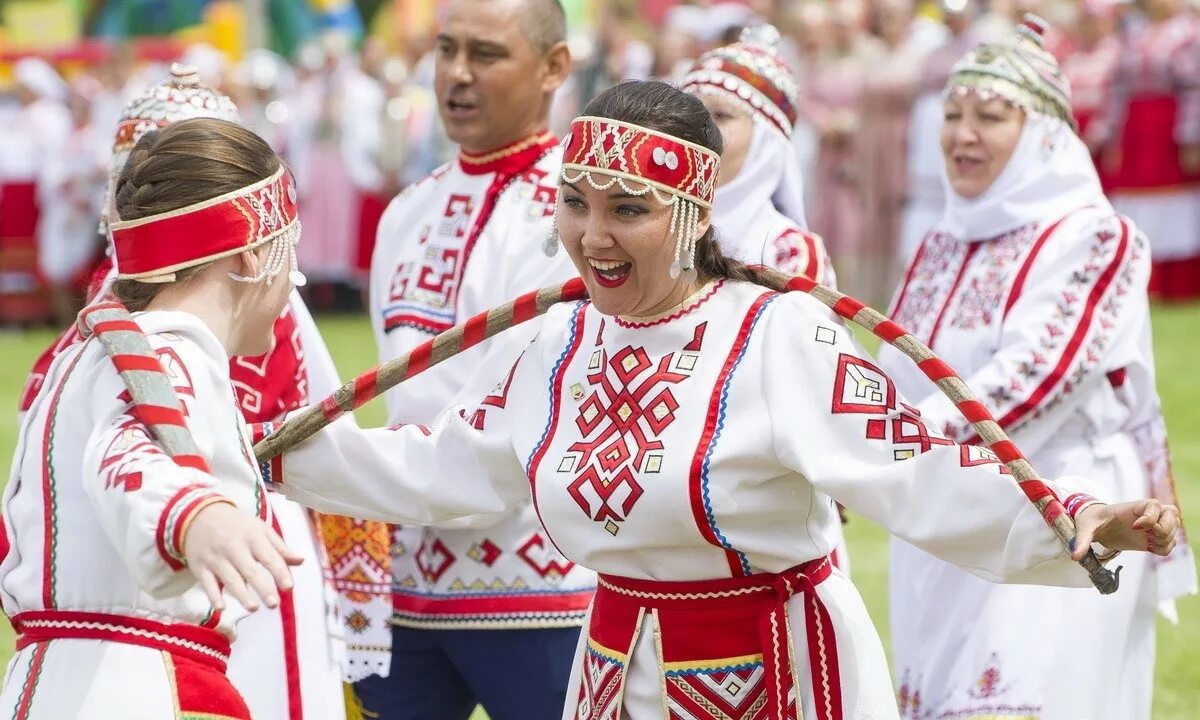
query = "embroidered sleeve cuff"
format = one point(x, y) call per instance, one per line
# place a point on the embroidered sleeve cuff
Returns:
point(258, 431)
point(271, 470)
point(1077, 502)
point(177, 516)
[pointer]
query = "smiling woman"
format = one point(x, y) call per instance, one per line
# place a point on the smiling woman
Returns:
point(1034, 289)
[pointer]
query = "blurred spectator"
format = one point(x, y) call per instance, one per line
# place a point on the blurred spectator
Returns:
point(895, 55)
point(1150, 134)
point(925, 193)
point(71, 196)
point(1090, 68)
point(33, 132)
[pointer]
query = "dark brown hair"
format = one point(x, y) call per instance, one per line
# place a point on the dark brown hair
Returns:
point(667, 109)
point(185, 163)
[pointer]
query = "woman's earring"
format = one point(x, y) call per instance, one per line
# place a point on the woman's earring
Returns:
point(551, 243)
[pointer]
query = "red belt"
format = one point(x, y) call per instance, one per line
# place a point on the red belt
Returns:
point(729, 618)
point(205, 646)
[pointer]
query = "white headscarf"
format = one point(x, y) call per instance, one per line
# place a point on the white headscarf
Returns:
point(768, 186)
point(1049, 175)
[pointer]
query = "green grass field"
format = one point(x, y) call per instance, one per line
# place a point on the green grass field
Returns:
point(1177, 339)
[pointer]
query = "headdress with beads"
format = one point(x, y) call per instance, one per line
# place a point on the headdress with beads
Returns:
point(1019, 70)
point(180, 97)
point(607, 152)
point(751, 73)
point(155, 247)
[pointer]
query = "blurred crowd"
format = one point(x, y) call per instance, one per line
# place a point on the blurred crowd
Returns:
point(359, 124)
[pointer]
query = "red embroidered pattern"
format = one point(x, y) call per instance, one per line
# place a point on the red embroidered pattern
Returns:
point(600, 687)
point(981, 298)
point(725, 693)
point(630, 404)
point(929, 280)
point(1074, 338)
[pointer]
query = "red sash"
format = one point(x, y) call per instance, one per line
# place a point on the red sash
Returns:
point(725, 646)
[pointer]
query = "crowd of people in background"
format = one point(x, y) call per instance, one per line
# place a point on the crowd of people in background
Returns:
point(358, 125)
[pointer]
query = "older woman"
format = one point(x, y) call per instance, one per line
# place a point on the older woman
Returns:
point(1035, 290)
point(686, 433)
point(759, 205)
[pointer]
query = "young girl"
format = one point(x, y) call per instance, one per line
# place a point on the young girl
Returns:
point(118, 553)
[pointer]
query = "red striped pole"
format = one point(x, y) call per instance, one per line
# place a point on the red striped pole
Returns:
point(449, 343)
point(386, 376)
point(948, 381)
point(154, 401)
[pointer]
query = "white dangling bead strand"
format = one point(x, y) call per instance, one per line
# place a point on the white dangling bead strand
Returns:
point(297, 278)
point(689, 248)
point(676, 229)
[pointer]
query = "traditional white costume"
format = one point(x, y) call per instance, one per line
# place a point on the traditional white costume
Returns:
point(302, 637)
point(464, 240)
point(31, 134)
point(96, 512)
point(1035, 292)
point(693, 459)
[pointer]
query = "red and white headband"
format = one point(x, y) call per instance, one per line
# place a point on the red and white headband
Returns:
point(154, 248)
point(607, 152)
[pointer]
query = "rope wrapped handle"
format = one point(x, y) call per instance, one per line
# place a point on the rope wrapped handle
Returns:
point(382, 378)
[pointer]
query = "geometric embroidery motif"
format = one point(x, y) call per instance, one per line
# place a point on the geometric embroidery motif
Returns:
point(631, 403)
point(860, 387)
point(599, 687)
point(725, 694)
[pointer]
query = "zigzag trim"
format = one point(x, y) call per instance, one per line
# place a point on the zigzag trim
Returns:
point(125, 630)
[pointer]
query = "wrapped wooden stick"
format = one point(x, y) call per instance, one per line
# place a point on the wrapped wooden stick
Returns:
point(388, 375)
point(154, 401)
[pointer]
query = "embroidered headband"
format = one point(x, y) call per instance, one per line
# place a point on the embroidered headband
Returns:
point(1019, 70)
point(678, 173)
point(751, 73)
point(154, 248)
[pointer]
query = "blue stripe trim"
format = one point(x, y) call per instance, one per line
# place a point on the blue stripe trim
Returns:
point(572, 334)
point(603, 656)
point(411, 309)
point(708, 511)
point(264, 468)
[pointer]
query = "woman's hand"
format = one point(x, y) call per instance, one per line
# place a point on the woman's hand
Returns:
point(225, 547)
point(1139, 525)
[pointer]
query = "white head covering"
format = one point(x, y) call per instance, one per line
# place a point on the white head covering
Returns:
point(1050, 172)
point(1049, 175)
point(769, 185)
point(41, 79)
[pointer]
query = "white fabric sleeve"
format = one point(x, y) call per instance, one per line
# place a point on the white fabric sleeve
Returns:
point(1072, 320)
point(412, 474)
point(142, 498)
point(839, 421)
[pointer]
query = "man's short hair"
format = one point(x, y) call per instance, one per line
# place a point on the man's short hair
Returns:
point(545, 22)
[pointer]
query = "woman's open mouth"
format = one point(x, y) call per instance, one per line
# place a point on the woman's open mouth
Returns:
point(610, 273)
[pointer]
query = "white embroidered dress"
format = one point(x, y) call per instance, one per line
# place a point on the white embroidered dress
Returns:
point(705, 445)
point(462, 241)
point(1043, 312)
point(95, 514)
